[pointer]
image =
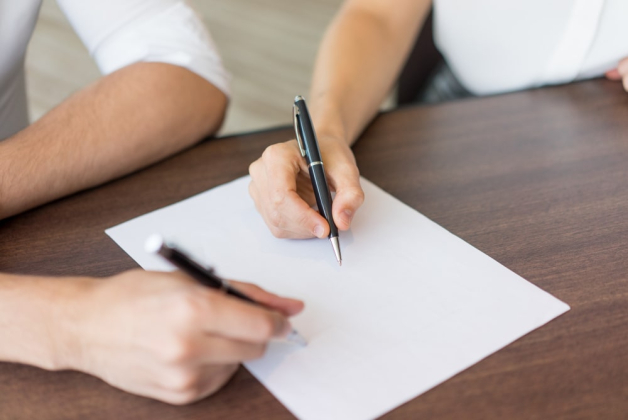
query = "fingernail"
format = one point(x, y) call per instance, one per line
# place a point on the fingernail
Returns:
point(318, 231)
point(348, 216)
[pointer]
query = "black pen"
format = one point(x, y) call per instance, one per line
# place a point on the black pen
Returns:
point(308, 145)
point(205, 276)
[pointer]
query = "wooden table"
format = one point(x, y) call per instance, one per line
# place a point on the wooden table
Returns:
point(538, 180)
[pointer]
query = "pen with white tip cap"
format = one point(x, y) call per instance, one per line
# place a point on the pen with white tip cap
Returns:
point(308, 146)
point(205, 276)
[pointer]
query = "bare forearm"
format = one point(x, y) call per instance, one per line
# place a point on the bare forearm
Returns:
point(127, 120)
point(33, 324)
point(162, 324)
point(358, 62)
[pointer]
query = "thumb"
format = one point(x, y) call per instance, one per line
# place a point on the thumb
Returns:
point(349, 195)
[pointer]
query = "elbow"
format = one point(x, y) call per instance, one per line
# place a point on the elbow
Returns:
point(215, 110)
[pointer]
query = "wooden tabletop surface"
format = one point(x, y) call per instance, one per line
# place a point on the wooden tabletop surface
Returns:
point(538, 180)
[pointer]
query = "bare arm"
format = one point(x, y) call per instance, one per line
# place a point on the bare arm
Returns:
point(358, 62)
point(183, 340)
point(30, 325)
point(127, 120)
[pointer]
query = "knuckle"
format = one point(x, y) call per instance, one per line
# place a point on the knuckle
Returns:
point(272, 152)
point(358, 195)
point(278, 199)
point(219, 378)
point(253, 168)
point(186, 309)
point(177, 351)
point(276, 218)
point(184, 382)
point(278, 233)
point(181, 398)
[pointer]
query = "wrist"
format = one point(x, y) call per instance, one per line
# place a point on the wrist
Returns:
point(329, 141)
point(328, 122)
point(336, 153)
point(65, 320)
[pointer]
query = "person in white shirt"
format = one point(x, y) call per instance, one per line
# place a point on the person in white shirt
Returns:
point(154, 334)
point(490, 46)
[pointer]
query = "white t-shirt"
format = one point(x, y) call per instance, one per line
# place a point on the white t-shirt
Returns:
point(117, 33)
point(494, 46)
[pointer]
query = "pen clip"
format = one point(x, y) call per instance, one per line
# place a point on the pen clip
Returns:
point(297, 130)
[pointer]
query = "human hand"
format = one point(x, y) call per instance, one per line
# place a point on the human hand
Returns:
point(282, 189)
point(164, 336)
point(620, 73)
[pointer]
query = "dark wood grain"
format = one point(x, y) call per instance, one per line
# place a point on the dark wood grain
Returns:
point(538, 180)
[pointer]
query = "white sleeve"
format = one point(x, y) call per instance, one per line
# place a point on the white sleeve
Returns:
point(118, 33)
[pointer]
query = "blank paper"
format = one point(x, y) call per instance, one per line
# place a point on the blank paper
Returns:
point(411, 306)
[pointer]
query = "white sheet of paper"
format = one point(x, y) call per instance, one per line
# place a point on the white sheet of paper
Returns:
point(412, 305)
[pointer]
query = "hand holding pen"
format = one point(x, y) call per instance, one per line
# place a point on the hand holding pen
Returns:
point(163, 335)
point(282, 189)
point(310, 151)
point(208, 278)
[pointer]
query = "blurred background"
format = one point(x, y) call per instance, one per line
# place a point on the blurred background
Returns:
point(268, 46)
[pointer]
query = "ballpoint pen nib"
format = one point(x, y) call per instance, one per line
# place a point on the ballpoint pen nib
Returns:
point(296, 338)
point(336, 245)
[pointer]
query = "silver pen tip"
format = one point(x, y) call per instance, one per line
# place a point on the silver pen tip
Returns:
point(296, 338)
point(335, 244)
